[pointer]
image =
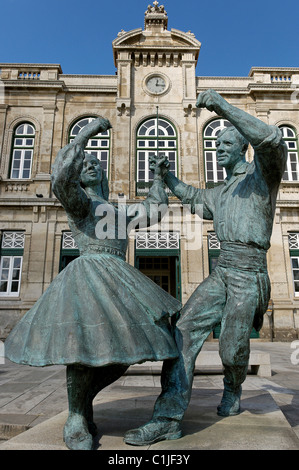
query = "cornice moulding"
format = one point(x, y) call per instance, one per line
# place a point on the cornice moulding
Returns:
point(31, 65)
point(29, 202)
point(223, 78)
point(26, 83)
point(71, 75)
point(273, 69)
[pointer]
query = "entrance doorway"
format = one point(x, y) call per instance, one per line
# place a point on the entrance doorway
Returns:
point(65, 259)
point(163, 270)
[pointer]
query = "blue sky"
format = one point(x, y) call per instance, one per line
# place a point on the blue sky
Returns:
point(235, 34)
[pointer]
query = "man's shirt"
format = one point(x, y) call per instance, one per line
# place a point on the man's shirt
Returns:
point(243, 207)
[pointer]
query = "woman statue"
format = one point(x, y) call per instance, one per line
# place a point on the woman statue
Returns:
point(100, 315)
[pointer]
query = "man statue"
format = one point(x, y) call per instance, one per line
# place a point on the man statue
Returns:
point(237, 292)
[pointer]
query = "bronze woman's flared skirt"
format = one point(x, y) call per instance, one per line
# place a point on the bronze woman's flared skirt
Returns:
point(99, 310)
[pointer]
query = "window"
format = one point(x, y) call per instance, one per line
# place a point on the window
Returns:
point(292, 169)
point(213, 250)
point(157, 255)
point(154, 136)
point(68, 242)
point(69, 250)
point(22, 151)
point(12, 247)
point(99, 145)
point(294, 256)
point(213, 172)
point(213, 253)
point(295, 270)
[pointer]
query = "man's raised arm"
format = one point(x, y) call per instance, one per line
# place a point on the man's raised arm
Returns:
point(270, 148)
point(254, 130)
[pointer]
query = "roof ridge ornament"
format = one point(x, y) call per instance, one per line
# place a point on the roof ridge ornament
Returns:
point(155, 16)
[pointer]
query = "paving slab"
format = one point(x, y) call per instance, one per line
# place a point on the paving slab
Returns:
point(260, 426)
point(33, 404)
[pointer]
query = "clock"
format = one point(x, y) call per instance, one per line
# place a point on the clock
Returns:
point(156, 84)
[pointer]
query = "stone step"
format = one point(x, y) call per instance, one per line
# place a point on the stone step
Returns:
point(259, 364)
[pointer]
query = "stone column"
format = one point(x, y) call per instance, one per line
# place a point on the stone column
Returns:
point(122, 130)
point(44, 163)
point(37, 255)
point(189, 85)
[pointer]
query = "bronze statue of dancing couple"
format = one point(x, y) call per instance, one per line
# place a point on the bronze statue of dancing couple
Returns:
point(100, 315)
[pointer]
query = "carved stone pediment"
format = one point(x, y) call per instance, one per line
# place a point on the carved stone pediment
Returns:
point(167, 39)
point(141, 41)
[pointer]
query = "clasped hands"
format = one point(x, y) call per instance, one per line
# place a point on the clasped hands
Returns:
point(159, 165)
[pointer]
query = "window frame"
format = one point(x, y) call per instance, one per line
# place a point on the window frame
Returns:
point(288, 173)
point(154, 143)
point(22, 149)
point(10, 280)
point(213, 250)
point(212, 150)
point(68, 249)
point(293, 243)
point(12, 249)
point(294, 257)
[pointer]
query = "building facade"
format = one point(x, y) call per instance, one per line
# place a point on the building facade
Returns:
point(150, 102)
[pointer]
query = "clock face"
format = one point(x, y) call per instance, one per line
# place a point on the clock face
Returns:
point(156, 84)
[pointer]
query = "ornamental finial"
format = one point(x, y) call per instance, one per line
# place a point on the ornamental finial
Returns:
point(156, 14)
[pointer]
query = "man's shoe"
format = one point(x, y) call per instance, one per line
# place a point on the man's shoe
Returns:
point(154, 431)
point(230, 403)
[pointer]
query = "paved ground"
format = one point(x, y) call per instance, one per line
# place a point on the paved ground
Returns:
point(33, 404)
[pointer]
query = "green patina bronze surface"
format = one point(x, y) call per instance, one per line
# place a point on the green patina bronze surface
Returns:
point(237, 292)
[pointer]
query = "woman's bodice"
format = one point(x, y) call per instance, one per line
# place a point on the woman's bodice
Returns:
point(103, 230)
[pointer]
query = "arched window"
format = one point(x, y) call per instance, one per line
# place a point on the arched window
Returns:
point(99, 145)
point(213, 172)
point(292, 169)
point(22, 151)
point(154, 136)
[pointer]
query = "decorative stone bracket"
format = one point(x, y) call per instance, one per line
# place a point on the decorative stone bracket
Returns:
point(189, 108)
point(123, 107)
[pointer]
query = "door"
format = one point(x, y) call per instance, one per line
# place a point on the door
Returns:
point(163, 270)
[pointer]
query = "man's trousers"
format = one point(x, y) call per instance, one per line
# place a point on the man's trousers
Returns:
point(235, 297)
